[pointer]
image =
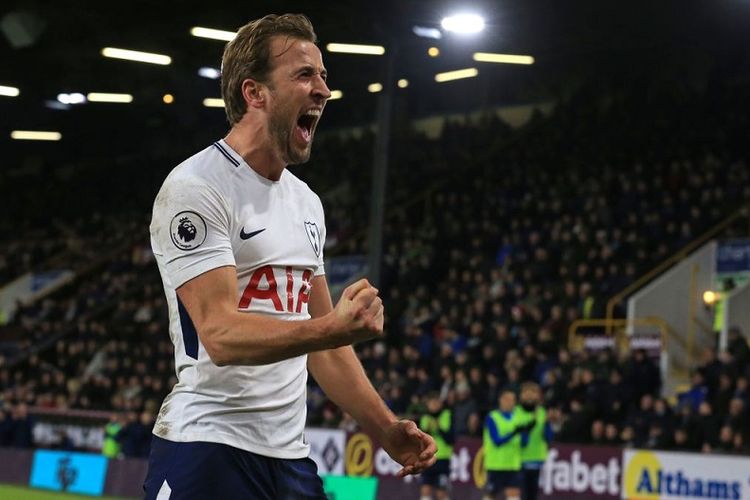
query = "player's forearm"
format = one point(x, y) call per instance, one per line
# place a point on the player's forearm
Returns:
point(252, 339)
point(341, 376)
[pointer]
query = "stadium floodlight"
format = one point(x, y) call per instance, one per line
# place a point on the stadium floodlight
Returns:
point(336, 94)
point(213, 34)
point(106, 97)
point(456, 75)
point(402, 83)
point(135, 55)
point(375, 87)
point(74, 98)
point(502, 58)
point(353, 48)
point(212, 73)
point(9, 91)
point(464, 24)
point(213, 102)
point(35, 135)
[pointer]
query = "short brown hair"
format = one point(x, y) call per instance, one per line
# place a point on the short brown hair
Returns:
point(247, 56)
point(530, 386)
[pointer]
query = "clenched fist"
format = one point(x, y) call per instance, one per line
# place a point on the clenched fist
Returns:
point(358, 315)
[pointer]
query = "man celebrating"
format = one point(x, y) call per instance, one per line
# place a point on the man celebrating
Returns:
point(239, 244)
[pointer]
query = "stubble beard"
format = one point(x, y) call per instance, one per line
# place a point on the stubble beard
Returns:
point(282, 136)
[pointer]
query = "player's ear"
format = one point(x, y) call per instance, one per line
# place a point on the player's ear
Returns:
point(253, 92)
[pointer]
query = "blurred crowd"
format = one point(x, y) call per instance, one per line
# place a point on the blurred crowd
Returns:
point(496, 240)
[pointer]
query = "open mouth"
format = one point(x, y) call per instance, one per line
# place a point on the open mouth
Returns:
point(306, 123)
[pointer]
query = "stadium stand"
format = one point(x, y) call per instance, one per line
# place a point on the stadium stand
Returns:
point(484, 270)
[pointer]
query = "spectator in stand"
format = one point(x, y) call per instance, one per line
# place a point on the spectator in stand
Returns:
point(738, 444)
point(737, 418)
point(725, 443)
point(708, 427)
point(640, 419)
point(697, 393)
point(680, 441)
point(723, 394)
point(463, 408)
point(738, 348)
point(21, 426)
point(742, 389)
point(135, 436)
point(576, 426)
point(711, 368)
point(5, 426)
point(611, 435)
point(642, 375)
point(598, 436)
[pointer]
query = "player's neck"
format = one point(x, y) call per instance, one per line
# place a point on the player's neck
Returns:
point(254, 145)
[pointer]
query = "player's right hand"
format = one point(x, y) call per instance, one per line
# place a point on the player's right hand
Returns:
point(358, 315)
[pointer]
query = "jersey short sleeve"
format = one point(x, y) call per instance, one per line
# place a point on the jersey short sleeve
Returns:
point(190, 228)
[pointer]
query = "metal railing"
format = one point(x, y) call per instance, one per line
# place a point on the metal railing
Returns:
point(743, 211)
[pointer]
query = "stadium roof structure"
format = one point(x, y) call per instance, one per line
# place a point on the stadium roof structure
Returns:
point(53, 47)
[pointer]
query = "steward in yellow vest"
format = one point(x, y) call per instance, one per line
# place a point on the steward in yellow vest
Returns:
point(502, 448)
point(535, 442)
point(111, 445)
point(438, 423)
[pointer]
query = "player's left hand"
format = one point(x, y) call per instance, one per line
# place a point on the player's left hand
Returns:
point(409, 446)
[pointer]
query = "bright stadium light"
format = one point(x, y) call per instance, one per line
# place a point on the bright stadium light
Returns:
point(502, 58)
point(213, 102)
point(106, 97)
point(212, 34)
point(134, 55)
point(464, 24)
point(9, 91)
point(74, 98)
point(456, 75)
point(35, 135)
point(336, 94)
point(402, 83)
point(375, 87)
point(207, 72)
point(352, 48)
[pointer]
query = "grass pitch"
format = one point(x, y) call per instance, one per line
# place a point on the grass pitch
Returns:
point(8, 492)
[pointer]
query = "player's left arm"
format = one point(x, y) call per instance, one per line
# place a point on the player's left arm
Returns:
point(341, 376)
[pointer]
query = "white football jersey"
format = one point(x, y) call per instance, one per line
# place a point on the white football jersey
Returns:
point(214, 210)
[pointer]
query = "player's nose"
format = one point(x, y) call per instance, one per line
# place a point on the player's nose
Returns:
point(320, 89)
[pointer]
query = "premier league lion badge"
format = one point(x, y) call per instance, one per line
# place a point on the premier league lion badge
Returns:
point(188, 230)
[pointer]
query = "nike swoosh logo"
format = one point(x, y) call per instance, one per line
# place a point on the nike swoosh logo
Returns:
point(247, 236)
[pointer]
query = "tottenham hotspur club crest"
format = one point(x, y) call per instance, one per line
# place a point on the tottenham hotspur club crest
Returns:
point(188, 230)
point(313, 234)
